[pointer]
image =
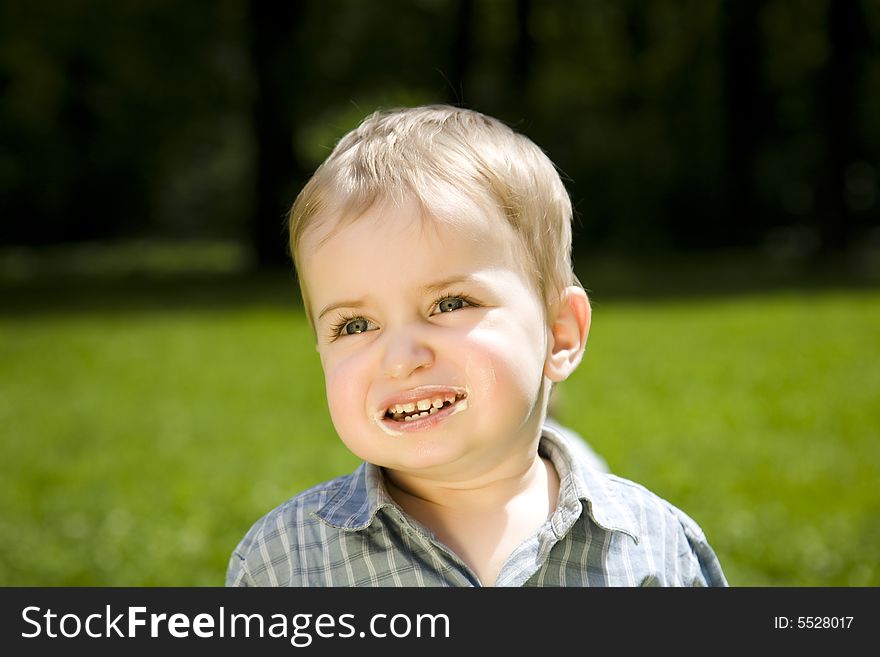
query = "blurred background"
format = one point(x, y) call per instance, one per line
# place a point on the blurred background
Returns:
point(159, 390)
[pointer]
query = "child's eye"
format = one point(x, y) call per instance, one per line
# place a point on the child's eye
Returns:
point(449, 304)
point(352, 326)
point(356, 326)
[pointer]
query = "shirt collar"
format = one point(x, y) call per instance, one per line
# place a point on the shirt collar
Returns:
point(355, 504)
point(583, 488)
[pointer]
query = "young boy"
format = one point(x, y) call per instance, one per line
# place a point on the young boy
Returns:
point(433, 250)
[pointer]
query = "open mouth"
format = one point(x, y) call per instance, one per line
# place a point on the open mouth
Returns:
point(423, 407)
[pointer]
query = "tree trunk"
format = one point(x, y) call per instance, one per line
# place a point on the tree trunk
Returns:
point(460, 56)
point(274, 49)
point(523, 54)
point(745, 111)
point(837, 122)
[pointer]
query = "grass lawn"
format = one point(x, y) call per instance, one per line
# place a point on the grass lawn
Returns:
point(145, 428)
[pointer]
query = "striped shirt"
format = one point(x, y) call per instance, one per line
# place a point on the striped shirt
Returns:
point(605, 531)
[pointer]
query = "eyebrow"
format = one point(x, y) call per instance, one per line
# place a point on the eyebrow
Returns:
point(358, 303)
point(430, 287)
point(448, 282)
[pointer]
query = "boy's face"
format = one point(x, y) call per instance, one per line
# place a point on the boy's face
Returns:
point(409, 311)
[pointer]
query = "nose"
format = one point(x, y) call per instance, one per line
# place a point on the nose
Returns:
point(405, 351)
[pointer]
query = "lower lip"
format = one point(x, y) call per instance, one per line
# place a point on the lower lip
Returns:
point(426, 422)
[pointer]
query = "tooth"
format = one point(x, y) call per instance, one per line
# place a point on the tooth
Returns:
point(432, 411)
point(423, 404)
point(398, 409)
point(409, 408)
point(437, 403)
point(423, 413)
point(450, 398)
point(408, 418)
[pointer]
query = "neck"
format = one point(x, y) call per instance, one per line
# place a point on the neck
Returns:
point(482, 521)
point(490, 492)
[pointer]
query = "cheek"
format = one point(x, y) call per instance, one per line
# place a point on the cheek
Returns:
point(481, 372)
point(504, 362)
point(345, 390)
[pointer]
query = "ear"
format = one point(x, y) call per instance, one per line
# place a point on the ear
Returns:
point(569, 328)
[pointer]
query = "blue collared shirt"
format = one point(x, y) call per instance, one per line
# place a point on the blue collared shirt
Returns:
point(605, 531)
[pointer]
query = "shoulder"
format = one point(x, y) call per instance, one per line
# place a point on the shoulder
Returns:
point(298, 511)
point(665, 534)
point(649, 509)
point(271, 552)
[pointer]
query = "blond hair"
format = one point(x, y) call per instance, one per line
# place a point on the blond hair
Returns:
point(446, 157)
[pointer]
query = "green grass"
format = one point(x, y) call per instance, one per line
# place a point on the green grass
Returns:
point(143, 433)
